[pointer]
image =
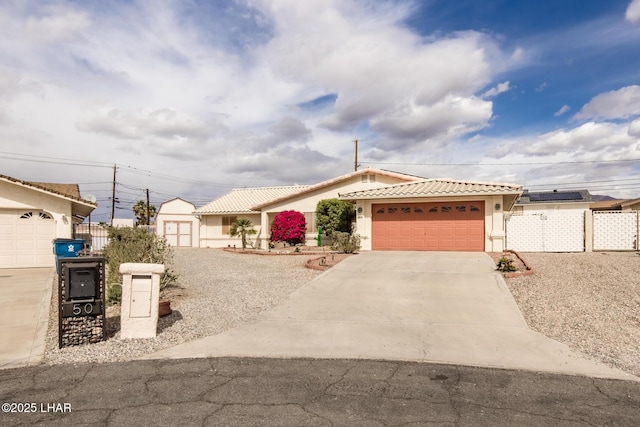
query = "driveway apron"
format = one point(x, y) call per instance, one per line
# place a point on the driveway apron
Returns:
point(25, 299)
point(443, 307)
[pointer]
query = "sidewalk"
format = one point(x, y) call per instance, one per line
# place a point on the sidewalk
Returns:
point(25, 298)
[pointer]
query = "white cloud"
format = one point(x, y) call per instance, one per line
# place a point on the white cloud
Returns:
point(57, 24)
point(215, 92)
point(498, 89)
point(380, 71)
point(616, 104)
point(634, 129)
point(164, 123)
point(451, 117)
point(633, 12)
point(565, 108)
point(589, 141)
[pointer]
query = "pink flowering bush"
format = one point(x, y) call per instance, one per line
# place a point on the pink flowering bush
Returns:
point(288, 226)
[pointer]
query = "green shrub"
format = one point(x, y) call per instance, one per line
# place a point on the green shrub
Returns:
point(334, 215)
point(345, 242)
point(505, 265)
point(114, 293)
point(127, 244)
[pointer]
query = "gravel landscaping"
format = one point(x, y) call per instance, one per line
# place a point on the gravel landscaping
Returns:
point(217, 290)
point(588, 301)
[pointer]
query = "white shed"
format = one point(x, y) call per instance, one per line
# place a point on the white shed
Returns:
point(177, 223)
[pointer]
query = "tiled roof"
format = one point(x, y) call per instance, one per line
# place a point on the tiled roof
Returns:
point(70, 191)
point(434, 188)
point(364, 171)
point(242, 200)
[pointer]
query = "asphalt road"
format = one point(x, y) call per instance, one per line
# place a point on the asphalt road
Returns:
point(300, 392)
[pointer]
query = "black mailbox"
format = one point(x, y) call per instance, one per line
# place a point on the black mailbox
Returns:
point(81, 287)
point(81, 300)
point(83, 283)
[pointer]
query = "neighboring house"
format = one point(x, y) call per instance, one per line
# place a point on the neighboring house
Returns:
point(616, 205)
point(547, 202)
point(432, 214)
point(32, 214)
point(177, 223)
point(549, 221)
point(261, 205)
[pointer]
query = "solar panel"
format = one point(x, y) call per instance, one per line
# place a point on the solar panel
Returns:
point(555, 197)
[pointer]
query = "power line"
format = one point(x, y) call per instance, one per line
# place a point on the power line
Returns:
point(503, 164)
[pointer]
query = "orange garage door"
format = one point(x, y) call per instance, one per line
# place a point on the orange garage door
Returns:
point(442, 226)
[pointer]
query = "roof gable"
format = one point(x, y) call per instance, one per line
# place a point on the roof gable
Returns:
point(337, 180)
point(71, 192)
point(174, 202)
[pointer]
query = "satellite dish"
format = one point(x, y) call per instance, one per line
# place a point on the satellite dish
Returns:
point(91, 198)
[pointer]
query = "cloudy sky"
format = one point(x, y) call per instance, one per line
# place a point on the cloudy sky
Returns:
point(190, 98)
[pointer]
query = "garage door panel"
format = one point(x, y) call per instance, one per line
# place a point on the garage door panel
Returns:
point(26, 239)
point(446, 226)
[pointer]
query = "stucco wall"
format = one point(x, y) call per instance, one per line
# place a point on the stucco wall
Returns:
point(308, 202)
point(211, 235)
point(14, 196)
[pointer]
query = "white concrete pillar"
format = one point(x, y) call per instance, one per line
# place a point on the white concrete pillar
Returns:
point(140, 298)
point(263, 233)
point(588, 230)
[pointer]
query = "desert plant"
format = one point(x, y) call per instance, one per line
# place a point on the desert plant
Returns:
point(288, 226)
point(140, 210)
point(242, 227)
point(127, 244)
point(345, 242)
point(505, 265)
point(334, 215)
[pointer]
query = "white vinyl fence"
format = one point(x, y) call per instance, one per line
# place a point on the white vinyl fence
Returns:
point(546, 233)
point(615, 231)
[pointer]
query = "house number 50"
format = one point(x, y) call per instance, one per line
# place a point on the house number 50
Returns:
point(79, 309)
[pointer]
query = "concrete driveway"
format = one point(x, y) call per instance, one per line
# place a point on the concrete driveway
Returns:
point(25, 299)
point(417, 306)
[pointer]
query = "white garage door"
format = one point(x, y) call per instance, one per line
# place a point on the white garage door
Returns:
point(25, 239)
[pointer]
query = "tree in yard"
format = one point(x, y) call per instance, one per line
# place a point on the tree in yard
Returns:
point(334, 215)
point(242, 227)
point(140, 211)
point(288, 226)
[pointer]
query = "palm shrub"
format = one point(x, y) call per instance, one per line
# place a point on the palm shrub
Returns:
point(289, 226)
point(128, 244)
point(242, 227)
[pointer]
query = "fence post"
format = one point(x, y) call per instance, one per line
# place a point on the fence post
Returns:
point(588, 230)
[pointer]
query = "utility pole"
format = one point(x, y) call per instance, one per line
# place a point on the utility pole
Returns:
point(355, 165)
point(113, 195)
point(148, 211)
